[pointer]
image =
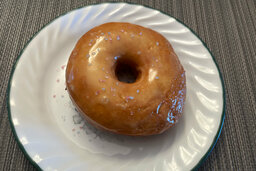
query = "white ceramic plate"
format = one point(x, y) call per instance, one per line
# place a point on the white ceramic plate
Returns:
point(55, 137)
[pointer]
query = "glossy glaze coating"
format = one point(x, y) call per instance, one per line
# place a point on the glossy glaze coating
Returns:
point(150, 105)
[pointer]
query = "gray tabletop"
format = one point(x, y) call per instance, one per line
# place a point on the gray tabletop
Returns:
point(227, 27)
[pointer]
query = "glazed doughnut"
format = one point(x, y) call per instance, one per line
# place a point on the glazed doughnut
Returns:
point(126, 79)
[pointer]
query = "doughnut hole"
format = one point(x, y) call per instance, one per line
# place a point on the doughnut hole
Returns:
point(126, 70)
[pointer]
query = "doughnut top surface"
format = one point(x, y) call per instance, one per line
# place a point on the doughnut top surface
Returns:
point(126, 79)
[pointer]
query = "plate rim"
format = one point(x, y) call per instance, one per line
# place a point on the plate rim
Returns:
point(36, 165)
